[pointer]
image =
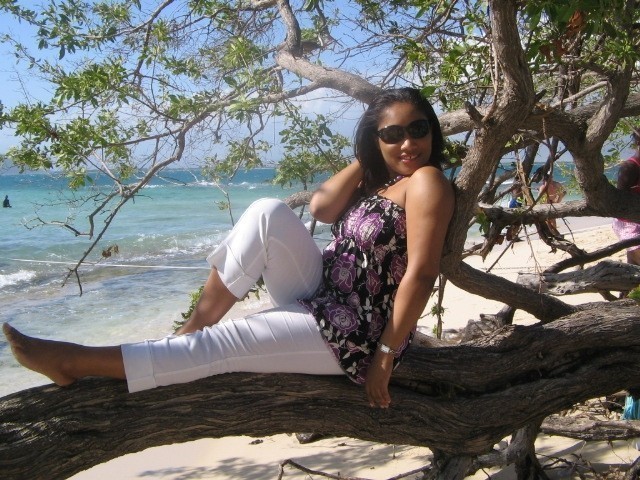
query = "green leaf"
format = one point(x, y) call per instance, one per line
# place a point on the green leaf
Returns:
point(635, 294)
point(428, 90)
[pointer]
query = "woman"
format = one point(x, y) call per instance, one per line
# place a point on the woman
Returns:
point(359, 300)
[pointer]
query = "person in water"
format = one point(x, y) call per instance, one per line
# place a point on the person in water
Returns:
point(351, 309)
point(6, 203)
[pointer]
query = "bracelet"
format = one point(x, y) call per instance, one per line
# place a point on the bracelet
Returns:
point(387, 349)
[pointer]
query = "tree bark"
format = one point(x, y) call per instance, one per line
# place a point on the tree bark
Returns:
point(452, 399)
point(605, 276)
point(298, 199)
point(589, 429)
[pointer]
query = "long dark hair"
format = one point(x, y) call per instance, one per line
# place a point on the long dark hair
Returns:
point(635, 136)
point(365, 142)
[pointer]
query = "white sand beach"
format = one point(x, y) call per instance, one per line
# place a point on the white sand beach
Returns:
point(249, 458)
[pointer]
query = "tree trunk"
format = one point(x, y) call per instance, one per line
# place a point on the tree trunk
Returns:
point(634, 471)
point(520, 451)
point(527, 465)
point(458, 400)
point(449, 467)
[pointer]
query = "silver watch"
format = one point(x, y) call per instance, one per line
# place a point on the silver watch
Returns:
point(387, 349)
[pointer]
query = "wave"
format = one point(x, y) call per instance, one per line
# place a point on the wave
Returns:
point(16, 278)
point(242, 185)
point(248, 185)
point(180, 184)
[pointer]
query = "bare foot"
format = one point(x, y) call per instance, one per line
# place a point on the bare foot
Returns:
point(43, 356)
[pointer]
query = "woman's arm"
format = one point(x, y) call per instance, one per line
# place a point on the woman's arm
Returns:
point(429, 207)
point(543, 188)
point(336, 194)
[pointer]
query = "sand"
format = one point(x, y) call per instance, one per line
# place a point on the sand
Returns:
point(249, 458)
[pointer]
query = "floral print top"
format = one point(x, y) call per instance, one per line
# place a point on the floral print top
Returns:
point(362, 268)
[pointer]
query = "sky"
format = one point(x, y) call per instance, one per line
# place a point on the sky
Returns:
point(18, 83)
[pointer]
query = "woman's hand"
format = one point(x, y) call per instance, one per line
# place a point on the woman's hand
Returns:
point(377, 383)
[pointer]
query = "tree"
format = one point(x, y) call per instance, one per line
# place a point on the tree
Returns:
point(136, 87)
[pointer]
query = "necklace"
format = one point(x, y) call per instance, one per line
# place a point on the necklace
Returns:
point(394, 180)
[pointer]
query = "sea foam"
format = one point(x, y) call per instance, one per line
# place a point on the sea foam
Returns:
point(16, 278)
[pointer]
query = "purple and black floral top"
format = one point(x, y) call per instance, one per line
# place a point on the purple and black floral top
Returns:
point(362, 268)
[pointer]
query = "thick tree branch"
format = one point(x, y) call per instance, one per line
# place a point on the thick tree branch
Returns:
point(327, 77)
point(557, 123)
point(589, 429)
point(593, 256)
point(491, 286)
point(619, 204)
point(289, 57)
point(604, 276)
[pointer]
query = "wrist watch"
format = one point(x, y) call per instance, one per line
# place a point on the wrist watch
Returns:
point(387, 349)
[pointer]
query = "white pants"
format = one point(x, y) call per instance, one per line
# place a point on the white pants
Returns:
point(269, 241)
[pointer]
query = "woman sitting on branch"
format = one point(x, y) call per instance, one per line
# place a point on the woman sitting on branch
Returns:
point(351, 309)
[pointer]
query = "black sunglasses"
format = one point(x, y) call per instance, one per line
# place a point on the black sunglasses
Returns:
point(396, 133)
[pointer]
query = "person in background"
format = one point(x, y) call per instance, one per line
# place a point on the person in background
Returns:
point(550, 191)
point(6, 203)
point(516, 195)
point(516, 201)
point(351, 309)
point(629, 180)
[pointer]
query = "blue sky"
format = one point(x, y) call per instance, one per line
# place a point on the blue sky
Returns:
point(18, 83)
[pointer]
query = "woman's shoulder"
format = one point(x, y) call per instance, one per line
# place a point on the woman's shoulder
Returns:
point(429, 189)
point(430, 177)
point(430, 195)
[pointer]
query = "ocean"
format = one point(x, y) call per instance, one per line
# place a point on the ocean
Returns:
point(163, 239)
